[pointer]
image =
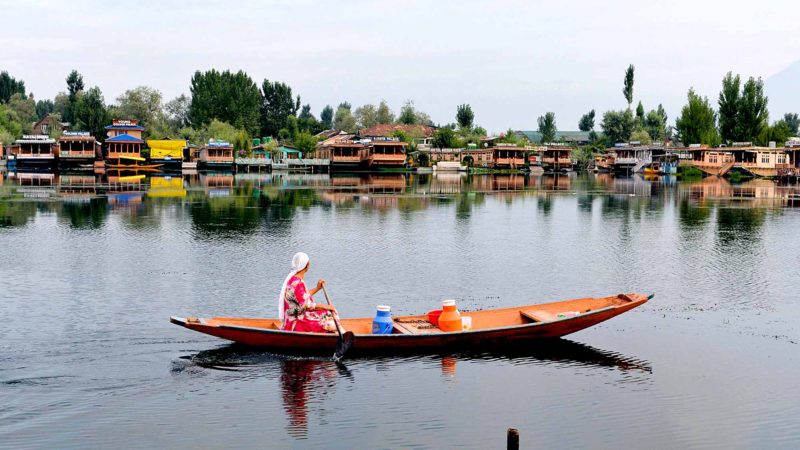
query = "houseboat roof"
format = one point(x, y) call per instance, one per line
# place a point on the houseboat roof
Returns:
point(125, 138)
point(124, 125)
point(390, 143)
point(166, 144)
point(218, 144)
point(76, 136)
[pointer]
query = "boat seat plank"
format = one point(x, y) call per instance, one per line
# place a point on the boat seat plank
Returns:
point(416, 327)
point(538, 315)
point(400, 329)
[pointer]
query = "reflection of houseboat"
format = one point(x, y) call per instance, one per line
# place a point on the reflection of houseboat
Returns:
point(34, 184)
point(343, 154)
point(217, 184)
point(216, 155)
point(34, 151)
point(555, 182)
point(125, 190)
point(557, 158)
point(77, 149)
point(167, 153)
point(77, 187)
point(124, 146)
point(385, 154)
point(166, 187)
point(386, 183)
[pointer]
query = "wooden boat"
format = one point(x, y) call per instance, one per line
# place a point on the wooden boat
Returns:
point(496, 327)
point(653, 169)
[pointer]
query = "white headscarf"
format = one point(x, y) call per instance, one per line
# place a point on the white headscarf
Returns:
point(299, 262)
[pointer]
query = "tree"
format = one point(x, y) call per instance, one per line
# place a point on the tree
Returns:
point(465, 116)
point(177, 111)
point(697, 122)
point(587, 122)
point(74, 89)
point(343, 119)
point(43, 108)
point(384, 113)
point(617, 125)
point(305, 142)
point(655, 123)
point(10, 86)
point(728, 103)
point(640, 114)
point(232, 98)
point(366, 116)
point(306, 120)
point(793, 122)
point(142, 103)
point(408, 114)
point(445, 138)
point(326, 117)
point(779, 132)
point(547, 127)
point(25, 110)
point(91, 113)
point(61, 103)
point(278, 104)
point(641, 136)
point(628, 89)
point(752, 116)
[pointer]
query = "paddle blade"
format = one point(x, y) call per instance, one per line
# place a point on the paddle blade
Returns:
point(344, 344)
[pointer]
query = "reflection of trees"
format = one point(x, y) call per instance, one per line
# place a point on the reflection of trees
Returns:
point(466, 202)
point(85, 215)
point(739, 226)
point(16, 213)
point(691, 215)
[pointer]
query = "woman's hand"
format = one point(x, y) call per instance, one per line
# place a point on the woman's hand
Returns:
point(326, 307)
point(320, 284)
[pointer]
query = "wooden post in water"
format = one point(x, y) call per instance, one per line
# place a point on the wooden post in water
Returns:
point(512, 440)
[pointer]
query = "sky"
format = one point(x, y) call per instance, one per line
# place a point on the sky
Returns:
point(512, 61)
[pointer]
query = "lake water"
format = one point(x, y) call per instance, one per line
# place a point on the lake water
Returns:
point(93, 266)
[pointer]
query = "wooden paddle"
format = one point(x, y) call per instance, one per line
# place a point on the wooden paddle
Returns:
point(345, 340)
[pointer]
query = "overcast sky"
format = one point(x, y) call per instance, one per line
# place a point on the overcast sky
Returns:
point(512, 61)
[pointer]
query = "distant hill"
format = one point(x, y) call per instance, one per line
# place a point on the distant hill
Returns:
point(783, 90)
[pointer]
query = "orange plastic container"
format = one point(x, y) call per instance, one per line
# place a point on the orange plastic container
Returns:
point(450, 320)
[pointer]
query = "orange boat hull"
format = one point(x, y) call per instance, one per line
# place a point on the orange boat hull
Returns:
point(506, 327)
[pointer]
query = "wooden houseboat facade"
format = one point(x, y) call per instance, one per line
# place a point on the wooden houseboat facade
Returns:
point(168, 153)
point(78, 149)
point(34, 151)
point(556, 158)
point(766, 162)
point(501, 156)
point(343, 153)
point(123, 145)
point(216, 155)
point(389, 153)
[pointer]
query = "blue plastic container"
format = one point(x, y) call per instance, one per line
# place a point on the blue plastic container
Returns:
point(383, 323)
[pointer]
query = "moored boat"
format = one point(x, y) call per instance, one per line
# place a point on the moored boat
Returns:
point(506, 326)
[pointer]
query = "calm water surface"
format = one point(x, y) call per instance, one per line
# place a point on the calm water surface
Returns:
point(93, 266)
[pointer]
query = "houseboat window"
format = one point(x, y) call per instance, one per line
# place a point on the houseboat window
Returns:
point(765, 158)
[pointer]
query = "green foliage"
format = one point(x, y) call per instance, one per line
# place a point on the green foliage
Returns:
point(43, 108)
point(689, 172)
point(655, 123)
point(729, 107)
point(91, 113)
point(627, 90)
point(305, 142)
point(344, 119)
point(547, 127)
point(176, 112)
point(640, 113)
point(384, 113)
point(307, 122)
point(74, 90)
point(366, 116)
point(617, 126)
point(446, 138)
point(753, 116)
point(697, 122)
point(793, 121)
point(408, 114)
point(25, 110)
point(142, 104)
point(278, 104)
point(61, 103)
point(587, 121)
point(510, 137)
point(10, 86)
point(641, 136)
point(9, 124)
point(225, 96)
point(326, 117)
point(241, 141)
point(465, 116)
point(780, 132)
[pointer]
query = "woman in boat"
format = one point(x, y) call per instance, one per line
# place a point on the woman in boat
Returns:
point(296, 307)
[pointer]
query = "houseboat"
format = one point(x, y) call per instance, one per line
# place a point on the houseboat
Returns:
point(385, 153)
point(77, 149)
point(792, 168)
point(556, 158)
point(754, 160)
point(216, 155)
point(501, 156)
point(344, 154)
point(632, 158)
point(123, 146)
point(260, 158)
point(34, 151)
point(604, 162)
point(168, 153)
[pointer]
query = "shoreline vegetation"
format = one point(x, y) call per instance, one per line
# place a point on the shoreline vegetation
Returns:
point(232, 107)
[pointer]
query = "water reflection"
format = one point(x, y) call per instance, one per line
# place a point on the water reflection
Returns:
point(224, 203)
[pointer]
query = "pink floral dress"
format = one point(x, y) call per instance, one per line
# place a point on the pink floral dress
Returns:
point(299, 313)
